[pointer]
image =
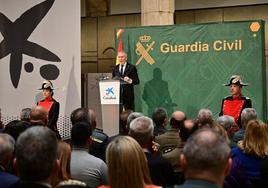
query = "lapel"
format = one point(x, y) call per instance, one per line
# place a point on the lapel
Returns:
point(126, 69)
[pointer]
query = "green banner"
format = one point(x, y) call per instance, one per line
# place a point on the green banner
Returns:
point(185, 66)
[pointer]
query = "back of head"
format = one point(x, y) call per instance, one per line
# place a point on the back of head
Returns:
point(205, 118)
point(36, 153)
point(132, 116)
point(80, 134)
point(38, 116)
point(93, 118)
point(127, 164)
point(25, 114)
point(226, 121)
point(206, 150)
point(187, 128)
point(141, 129)
point(160, 116)
point(15, 128)
point(248, 114)
point(64, 156)
point(256, 139)
point(177, 119)
point(7, 146)
point(80, 115)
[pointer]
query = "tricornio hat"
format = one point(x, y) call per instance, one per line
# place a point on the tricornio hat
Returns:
point(47, 85)
point(236, 79)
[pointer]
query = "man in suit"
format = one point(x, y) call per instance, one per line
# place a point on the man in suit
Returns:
point(36, 157)
point(128, 76)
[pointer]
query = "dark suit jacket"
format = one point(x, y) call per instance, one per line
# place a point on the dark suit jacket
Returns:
point(8, 180)
point(160, 170)
point(127, 90)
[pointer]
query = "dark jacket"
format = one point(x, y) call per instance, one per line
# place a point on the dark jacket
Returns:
point(127, 90)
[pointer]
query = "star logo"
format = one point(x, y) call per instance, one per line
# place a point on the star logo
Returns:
point(16, 43)
point(109, 90)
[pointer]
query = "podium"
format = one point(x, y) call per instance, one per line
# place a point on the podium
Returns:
point(110, 101)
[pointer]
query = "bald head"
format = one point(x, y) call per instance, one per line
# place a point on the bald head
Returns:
point(39, 116)
point(177, 119)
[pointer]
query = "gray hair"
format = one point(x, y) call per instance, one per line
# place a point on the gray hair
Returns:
point(25, 114)
point(7, 146)
point(142, 129)
point(205, 117)
point(226, 121)
point(247, 115)
point(36, 153)
point(206, 150)
point(133, 116)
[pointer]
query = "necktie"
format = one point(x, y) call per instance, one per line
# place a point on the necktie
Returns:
point(121, 70)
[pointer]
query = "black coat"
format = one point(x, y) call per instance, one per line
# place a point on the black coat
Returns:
point(127, 90)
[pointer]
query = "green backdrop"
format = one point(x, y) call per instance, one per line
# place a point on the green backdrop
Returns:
point(185, 66)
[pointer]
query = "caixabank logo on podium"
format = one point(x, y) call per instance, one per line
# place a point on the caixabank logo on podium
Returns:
point(109, 91)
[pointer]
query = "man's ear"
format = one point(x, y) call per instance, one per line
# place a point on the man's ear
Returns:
point(183, 162)
point(228, 167)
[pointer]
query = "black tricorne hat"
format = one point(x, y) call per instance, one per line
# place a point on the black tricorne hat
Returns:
point(47, 84)
point(236, 79)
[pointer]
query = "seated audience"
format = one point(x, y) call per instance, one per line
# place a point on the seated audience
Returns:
point(246, 115)
point(170, 141)
point(38, 116)
point(248, 156)
point(141, 129)
point(205, 160)
point(99, 139)
point(205, 119)
point(228, 123)
point(36, 157)
point(160, 119)
point(84, 166)
point(63, 177)
point(25, 114)
point(127, 166)
point(7, 146)
point(123, 122)
point(15, 128)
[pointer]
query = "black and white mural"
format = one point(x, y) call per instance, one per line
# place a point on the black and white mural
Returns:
point(39, 40)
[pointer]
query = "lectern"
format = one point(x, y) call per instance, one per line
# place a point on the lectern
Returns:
point(110, 99)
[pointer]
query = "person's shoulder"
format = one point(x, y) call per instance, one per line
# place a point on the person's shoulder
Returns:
point(246, 98)
point(229, 97)
point(99, 136)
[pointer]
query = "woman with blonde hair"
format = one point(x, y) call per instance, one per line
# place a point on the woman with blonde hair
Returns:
point(127, 164)
point(247, 169)
point(63, 178)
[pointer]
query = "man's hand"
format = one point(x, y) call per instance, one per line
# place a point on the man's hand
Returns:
point(128, 80)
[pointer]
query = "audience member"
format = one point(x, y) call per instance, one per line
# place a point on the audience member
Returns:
point(99, 139)
point(170, 141)
point(127, 164)
point(15, 128)
point(246, 115)
point(205, 160)
point(205, 118)
point(38, 116)
point(84, 166)
point(7, 146)
point(228, 123)
point(160, 119)
point(141, 129)
point(123, 129)
point(248, 156)
point(25, 114)
point(63, 178)
point(133, 116)
point(36, 157)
